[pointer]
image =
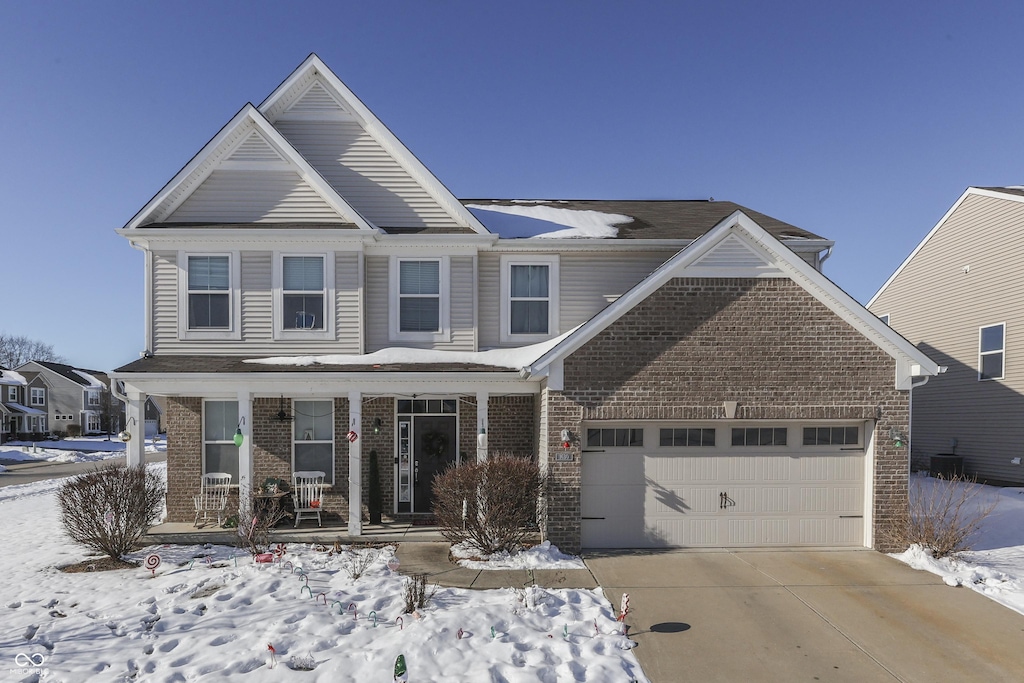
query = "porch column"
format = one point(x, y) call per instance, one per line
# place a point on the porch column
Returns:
point(355, 465)
point(245, 464)
point(135, 448)
point(481, 425)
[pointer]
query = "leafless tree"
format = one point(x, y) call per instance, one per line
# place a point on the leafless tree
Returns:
point(17, 350)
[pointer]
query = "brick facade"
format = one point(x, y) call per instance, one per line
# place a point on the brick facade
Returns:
point(695, 343)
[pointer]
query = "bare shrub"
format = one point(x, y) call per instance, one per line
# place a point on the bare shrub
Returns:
point(254, 531)
point(499, 497)
point(940, 514)
point(74, 429)
point(417, 594)
point(111, 507)
point(356, 562)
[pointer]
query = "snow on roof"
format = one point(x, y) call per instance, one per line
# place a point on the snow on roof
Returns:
point(539, 220)
point(515, 359)
point(93, 383)
point(11, 377)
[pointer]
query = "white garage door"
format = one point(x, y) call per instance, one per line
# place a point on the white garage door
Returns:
point(723, 486)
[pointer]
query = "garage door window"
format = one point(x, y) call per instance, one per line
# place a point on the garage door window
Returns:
point(759, 436)
point(687, 437)
point(831, 436)
point(615, 437)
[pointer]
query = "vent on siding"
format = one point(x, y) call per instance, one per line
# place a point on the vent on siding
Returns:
point(316, 101)
point(255, 148)
point(733, 253)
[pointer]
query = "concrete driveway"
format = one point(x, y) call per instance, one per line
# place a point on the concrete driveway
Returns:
point(850, 615)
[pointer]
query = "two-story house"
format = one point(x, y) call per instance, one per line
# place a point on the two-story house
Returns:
point(682, 370)
point(72, 397)
point(16, 419)
point(955, 297)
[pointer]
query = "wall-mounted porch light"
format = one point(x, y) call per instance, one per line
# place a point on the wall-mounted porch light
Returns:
point(239, 437)
point(282, 414)
point(124, 434)
point(376, 425)
point(481, 438)
point(898, 437)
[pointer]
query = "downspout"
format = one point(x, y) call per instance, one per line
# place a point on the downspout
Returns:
point(910, 414)
point(821, 261)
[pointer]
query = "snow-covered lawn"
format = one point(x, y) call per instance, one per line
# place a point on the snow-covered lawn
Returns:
point(210, 613)
point(995, 566)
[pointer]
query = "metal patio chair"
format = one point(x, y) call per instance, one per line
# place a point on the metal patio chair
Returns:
point(213, 496)
point(307, 495)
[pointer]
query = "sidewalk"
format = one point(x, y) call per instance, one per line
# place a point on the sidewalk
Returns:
point(431, 558)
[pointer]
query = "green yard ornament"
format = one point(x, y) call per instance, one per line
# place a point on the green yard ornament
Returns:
point(400, 672)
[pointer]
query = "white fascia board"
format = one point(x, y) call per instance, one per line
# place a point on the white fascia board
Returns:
point(977, 191)
point(245, 238)
point(383, 135)
point(738, 223)
point(326, 384)
point(250, 115)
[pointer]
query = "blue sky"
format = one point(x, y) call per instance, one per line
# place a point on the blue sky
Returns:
point(860, 121)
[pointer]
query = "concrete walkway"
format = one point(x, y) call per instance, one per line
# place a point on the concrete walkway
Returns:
point(432, 559)
point(806, 616)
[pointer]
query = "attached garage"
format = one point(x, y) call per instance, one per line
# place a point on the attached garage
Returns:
point(723, 485)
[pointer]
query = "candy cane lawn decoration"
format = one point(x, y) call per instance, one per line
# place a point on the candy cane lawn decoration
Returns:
point(623, 607)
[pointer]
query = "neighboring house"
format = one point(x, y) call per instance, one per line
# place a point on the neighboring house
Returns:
point(154, 415)
point(956, 297)
point(22, 409)
point(683, 372)
point(73, 396)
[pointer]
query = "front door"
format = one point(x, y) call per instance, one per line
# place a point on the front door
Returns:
point(436, 442)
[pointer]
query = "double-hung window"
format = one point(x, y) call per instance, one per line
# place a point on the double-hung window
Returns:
point(991, 349)
point(93, 398)
point(314, 438)
point(220, 454)
point(529, 298)
point(209, 293)
point(209, 302)
point(420, 304)
point(38, 396)
point(303, 292)
point(12, 394)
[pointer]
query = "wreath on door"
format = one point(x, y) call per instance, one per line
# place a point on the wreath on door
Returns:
point(434, 444)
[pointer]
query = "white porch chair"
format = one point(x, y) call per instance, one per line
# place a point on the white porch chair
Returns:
point(308, 494)
point(213, 496)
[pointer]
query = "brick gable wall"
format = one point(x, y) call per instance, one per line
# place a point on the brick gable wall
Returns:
point(695, 343)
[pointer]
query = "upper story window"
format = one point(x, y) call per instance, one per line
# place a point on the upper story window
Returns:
point(208, 295)
point(12, 394)
point(93, 398)
point(991, 349)
point(419, 301)
point(303, 292)
point(529, 298)
point(38, 396)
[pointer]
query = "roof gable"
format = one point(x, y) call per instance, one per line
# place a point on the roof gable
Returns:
point(358, 155)
point(1010, 194)
point(248, 156)
point(741, 248)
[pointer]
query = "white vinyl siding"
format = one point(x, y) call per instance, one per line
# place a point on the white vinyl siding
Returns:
point(230, 196)
point(365, 174)
point(985, 237)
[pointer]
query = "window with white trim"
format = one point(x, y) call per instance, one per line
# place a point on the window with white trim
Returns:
point(12, 394)
point(92, 422)
point(220, 454)
point(93, 398)
point(303, 292)
point(37, 396)
point(209, 293)
point(420, 299)
point(991, 349)
point(529, 297)
point(314, 437)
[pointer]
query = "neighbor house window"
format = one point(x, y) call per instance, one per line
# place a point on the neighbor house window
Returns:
point(92, 423)
point(38, 396)
point(93, 398)
point(314, 437)
point(220, 454)
point(420, 299)
point(687, 437)
point(759, 436)
point(12, 394)
point(209, 293)
point(615, 437)
point(991, 348)
point(529, 298)
point(303, 292)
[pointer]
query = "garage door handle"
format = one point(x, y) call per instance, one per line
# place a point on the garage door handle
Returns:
point(593, 518)
point(851, 516)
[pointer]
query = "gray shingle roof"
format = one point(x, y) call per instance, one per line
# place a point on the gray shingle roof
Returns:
point(69, 372)
point(664, 219)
